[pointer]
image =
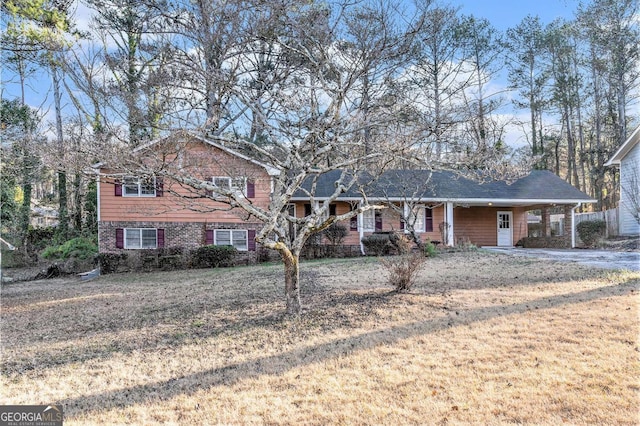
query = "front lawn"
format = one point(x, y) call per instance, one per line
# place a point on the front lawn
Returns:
point(481, 338)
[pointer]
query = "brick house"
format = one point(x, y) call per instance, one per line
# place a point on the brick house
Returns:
point(136, 214)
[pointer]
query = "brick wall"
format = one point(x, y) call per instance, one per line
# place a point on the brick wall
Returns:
point(185, 235)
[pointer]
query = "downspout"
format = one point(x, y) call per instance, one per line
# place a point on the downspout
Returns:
point(361, 232)
point(573, 224)
point(98, 204)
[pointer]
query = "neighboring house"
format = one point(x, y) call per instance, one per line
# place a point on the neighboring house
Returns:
point(43, 216)
point(627, 158)
point(136, 214)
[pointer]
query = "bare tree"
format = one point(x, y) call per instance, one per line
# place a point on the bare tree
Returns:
point(438, 77)
point(528, 74)
point(314, 133)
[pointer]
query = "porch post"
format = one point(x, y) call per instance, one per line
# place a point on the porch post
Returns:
point(449, 222)
point(546, 222)
point(572, 224)
point(361, 229)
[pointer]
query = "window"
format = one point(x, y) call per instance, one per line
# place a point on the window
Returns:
point(369, 220)
point(227, 183)
point(138, 187)
point(428, 220)
point(140, 238)
point(416, 216)
point(422, 219)
point(231, 237)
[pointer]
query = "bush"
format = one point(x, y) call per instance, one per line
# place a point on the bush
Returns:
point(213, 256)
point(377, 244)
point(403, 269)
point(429, 249)
point(384, 243)
point(79, 248)
point(335, 233)
point(591, 231)
point(109, 262)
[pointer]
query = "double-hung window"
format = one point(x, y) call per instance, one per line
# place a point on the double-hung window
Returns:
point(369, 220)
point(421, 217)
point(231, 237)
point(138, 187)
point(238, 184)
point(416, 217)
point(140, 238)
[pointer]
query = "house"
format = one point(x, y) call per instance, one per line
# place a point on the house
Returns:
point(135, 214)
point(447, 207)
point(627, 158)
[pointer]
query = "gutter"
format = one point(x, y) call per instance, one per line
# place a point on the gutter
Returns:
point(573, 224)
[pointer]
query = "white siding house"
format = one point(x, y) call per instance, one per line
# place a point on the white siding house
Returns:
point(627, 158)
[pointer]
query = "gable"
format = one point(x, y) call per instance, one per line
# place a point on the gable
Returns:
point(625, 149)
point(194, 142)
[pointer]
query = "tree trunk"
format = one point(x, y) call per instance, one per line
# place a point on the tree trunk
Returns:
point(63, 214)
point(292, 281)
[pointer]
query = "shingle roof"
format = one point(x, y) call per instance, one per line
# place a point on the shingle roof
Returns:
point(539, 185)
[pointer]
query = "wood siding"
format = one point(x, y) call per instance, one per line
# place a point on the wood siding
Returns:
point(479, 225)
point(390, 222)
point(173, 207)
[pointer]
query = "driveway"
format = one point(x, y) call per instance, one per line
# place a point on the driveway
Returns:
point(597, 258)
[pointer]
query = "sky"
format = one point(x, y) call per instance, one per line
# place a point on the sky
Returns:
point(503, 14)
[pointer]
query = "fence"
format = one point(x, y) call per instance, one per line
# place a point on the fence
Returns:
point(609, 216)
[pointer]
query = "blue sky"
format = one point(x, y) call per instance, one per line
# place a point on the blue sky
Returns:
point(502, 14)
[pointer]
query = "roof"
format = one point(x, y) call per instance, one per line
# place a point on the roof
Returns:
point(539, 187)
point(624, 148)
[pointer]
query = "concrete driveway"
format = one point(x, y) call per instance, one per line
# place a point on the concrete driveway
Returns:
point(597, 258)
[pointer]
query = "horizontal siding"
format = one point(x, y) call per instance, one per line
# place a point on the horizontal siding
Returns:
point(479, 225)
point(173, 208)
point(390, 222)
point(629, 184)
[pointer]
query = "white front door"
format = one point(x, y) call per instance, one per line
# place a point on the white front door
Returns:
point(505, 228)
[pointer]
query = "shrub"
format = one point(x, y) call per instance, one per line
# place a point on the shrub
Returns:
point(377, 244)
point(38, 238)
point(403, 269)
point(591, 231)
point(213, 256)
point(429, 249)
point(79, 248)
point(336, 233)
point(109, 262)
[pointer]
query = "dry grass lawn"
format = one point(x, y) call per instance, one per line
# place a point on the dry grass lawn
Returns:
point(482, 338)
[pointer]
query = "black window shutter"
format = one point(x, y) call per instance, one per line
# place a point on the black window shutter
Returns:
point(428, 220)
point(307, 209)
point(378, 216)
point(160, 238)
point(251, 239)
point(251, 189)
point(332, 209)
point(353, 224)
point(119, 238)
point(159, 187)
